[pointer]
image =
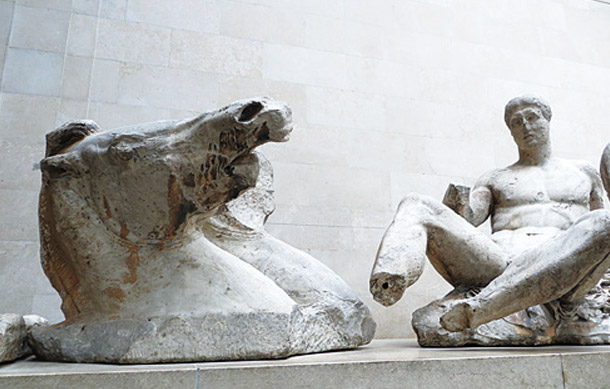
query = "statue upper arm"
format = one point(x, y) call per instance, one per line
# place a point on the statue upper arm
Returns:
point(596, 197)
point(480, 201)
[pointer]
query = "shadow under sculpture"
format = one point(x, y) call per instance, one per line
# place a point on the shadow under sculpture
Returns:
point(154, 265)
point(540, 278)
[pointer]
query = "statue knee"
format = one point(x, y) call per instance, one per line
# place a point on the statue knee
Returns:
point(416, 199)
point(411, 198)
point(408, 203)
point(598, 222)
point(416, 208)
point(601, 219)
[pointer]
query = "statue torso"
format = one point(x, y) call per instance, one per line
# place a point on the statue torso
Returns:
point(533, 203)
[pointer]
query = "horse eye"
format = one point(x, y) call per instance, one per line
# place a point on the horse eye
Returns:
point(121, 151)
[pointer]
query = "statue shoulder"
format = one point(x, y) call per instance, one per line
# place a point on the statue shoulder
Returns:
point(588, 169)
point(490, 178)
point(595, 180)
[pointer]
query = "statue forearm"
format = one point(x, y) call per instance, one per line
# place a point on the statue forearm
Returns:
point(457, 198)
point(471, 205)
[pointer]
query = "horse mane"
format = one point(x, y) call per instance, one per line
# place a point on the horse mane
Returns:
point(55, 258)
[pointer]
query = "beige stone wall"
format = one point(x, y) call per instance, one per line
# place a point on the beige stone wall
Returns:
point(389, 96)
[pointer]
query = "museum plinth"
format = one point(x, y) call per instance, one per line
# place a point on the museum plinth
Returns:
point(383, 364)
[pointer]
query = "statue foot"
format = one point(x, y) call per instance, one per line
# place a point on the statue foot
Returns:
point(458, 318)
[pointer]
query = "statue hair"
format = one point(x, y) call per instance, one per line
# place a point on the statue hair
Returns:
point(527, 100)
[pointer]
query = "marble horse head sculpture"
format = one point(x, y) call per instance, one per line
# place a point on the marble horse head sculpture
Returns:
point(121, 241)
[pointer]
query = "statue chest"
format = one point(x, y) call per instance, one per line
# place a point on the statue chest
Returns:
point(563, 186)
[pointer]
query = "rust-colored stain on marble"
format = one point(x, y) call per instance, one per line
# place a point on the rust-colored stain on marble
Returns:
point(124, 230)
point(132, 264)
point(115, 293)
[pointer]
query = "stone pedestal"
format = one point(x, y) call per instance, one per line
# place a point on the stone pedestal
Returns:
point(386, 364)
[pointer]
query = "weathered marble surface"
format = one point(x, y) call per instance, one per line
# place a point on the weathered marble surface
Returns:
point(540, 278)
point(386, 363)
point(14, 330)
point(144, 273)
point(332, 316)
point(12, 337)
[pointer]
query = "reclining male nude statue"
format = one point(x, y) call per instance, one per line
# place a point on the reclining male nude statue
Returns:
point(151, 263)
point(539, 272)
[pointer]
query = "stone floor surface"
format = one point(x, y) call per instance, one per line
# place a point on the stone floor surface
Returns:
point(384, 364)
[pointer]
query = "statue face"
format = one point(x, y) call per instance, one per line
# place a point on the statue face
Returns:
point(529, 128)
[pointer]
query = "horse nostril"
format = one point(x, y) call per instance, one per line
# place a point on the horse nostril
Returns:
point(250, 111)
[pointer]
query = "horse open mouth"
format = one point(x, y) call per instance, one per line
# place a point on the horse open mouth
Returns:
point(265, 134)
point(282, 135)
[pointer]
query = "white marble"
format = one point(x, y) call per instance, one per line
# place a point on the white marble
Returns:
point(12, 337)
point(391, 363)
point(153, 236)
point(420, 78)
point(540, 278)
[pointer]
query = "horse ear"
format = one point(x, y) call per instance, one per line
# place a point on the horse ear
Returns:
point(69, 134)
point(57, 164)
point(62, 165)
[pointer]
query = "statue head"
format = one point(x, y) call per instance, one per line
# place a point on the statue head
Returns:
point(528, 119)
point(524, 101)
